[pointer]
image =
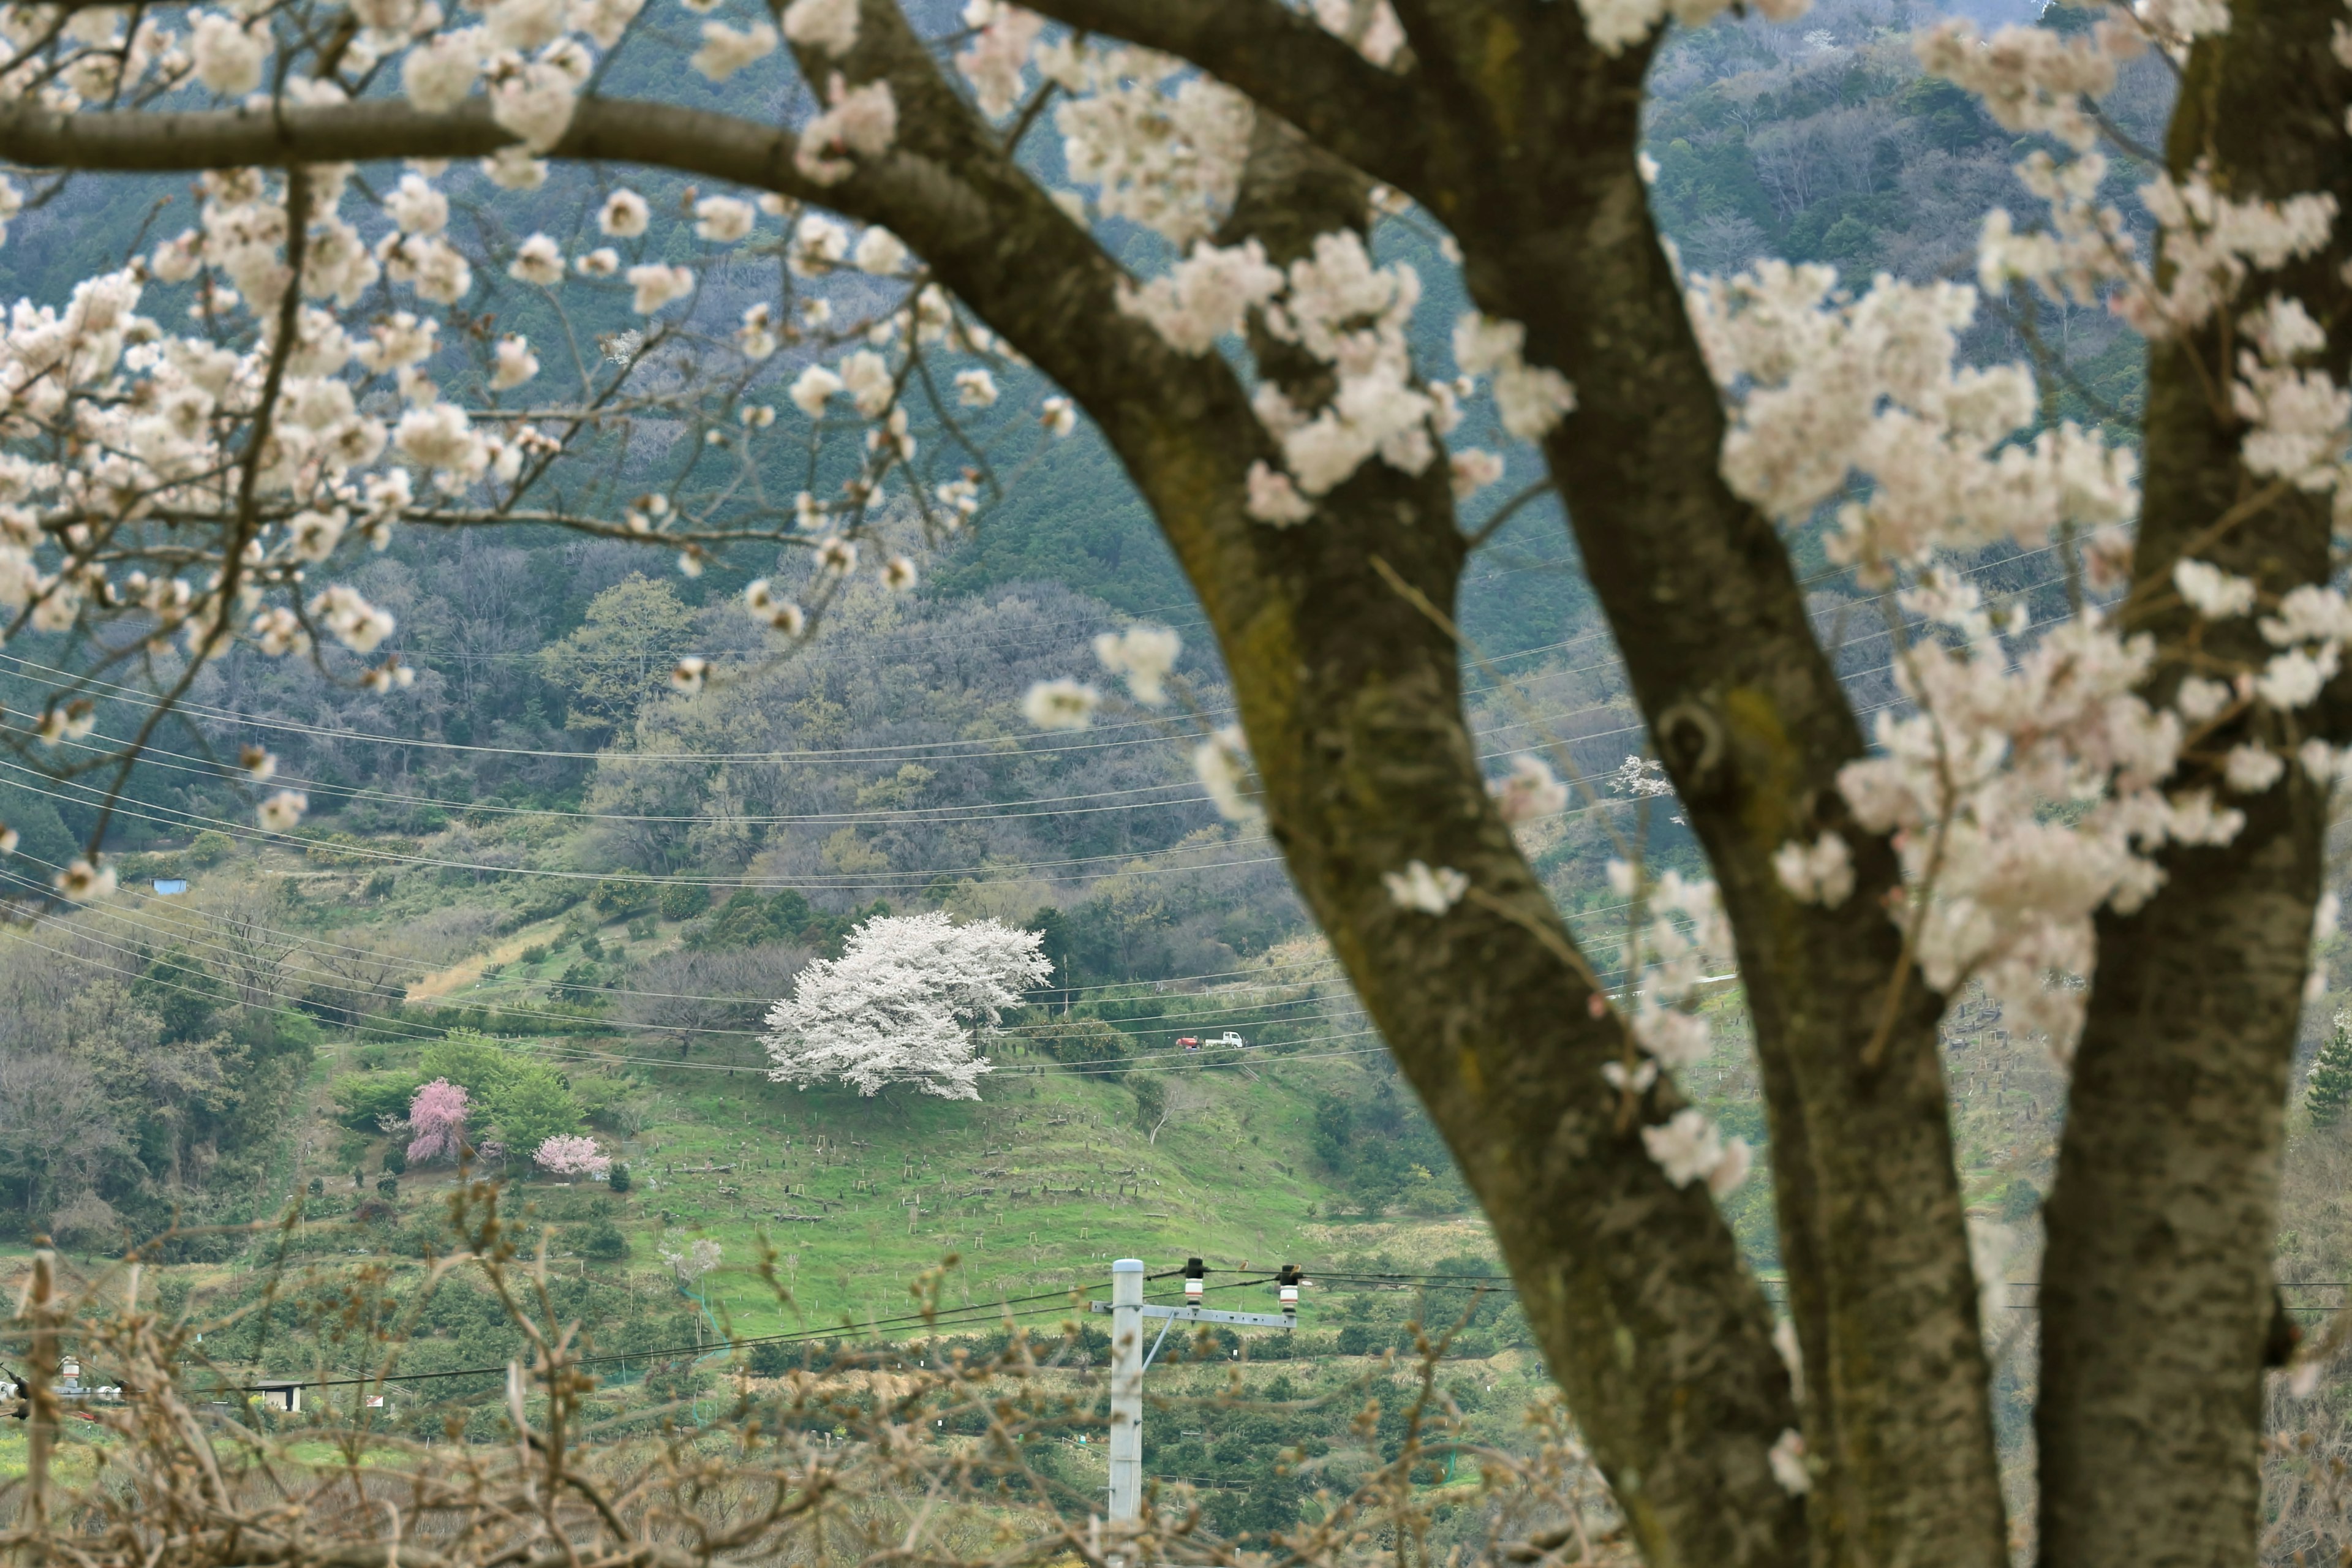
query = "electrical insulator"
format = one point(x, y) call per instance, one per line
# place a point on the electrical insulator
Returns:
point(1288, 1283)
point(1193, 1281)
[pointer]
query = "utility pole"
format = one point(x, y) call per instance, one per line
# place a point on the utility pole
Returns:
point(1128, 1358)
point(1126, 1391)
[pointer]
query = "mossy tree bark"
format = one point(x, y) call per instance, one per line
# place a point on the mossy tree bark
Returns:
point(1522, 137)
point(2158, 1307)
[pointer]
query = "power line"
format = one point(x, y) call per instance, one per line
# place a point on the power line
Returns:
point(173, 910)
point(896, 876)
point(167, 760)
point(401, 1032)
point(231, 718)
point(953, 1317)
point(172, 817)
point(321, 979)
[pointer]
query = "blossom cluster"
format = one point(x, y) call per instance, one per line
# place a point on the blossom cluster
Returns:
point(1665, 960)
point(2004, 731)
point(114, 419)
point(1161, 144)
point(572, 1154)
point(1351, 316)
point(1829, 386)
point(2032, 779)
point(1614, 25)
point(436, 1115)
point(2026, 786)
point(2029, 79)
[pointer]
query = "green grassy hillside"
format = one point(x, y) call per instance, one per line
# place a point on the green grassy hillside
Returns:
point(1037, 1186)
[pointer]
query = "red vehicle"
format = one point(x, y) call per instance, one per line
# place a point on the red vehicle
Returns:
point(1188, 1042)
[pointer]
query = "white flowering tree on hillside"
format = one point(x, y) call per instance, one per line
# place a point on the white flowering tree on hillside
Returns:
point(2113, 821)
point(910, 1001)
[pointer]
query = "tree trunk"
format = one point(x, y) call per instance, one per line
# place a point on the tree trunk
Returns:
point(1521, 136)
point(1748, 714)
point(2156, 1302)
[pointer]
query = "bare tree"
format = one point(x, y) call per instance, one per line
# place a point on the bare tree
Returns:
point(257, 953)
point(57, 1129)
point(728, 991)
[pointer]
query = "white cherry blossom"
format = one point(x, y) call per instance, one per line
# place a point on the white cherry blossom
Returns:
point(1430, 890)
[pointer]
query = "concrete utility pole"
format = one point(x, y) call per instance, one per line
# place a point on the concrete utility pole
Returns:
point(1126, 1390)
point(1128, 1358)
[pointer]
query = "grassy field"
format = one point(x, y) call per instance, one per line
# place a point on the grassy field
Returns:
point(1035, 1187)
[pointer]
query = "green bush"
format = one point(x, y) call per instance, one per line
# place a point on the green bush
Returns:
point(277, 1032)
point(362, 1099)
point(535, 953)
point(545, 902)
point(601, 1240)
point(1151, 1091)
point(1088, 1042)
point(597, 1092)
point(528, 1109)
point(619, 1179)
point(208, 849)
point(747, 920)
point(2330, 1087)
point(177, 988)
point(683, 901)
point(617, 901)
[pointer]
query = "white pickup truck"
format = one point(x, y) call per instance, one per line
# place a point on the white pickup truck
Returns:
point(1228, 1040)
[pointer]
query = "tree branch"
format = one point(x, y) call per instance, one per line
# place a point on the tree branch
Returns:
point(603, 130)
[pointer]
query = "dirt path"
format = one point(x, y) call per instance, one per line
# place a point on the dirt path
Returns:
point(466, 971)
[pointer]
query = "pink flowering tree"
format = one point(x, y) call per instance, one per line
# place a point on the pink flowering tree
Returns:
point(572, 1155)
point(436, 1115)
point(2110, 820)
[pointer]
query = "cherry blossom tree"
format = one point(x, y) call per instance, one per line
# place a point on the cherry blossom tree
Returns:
point(572, 1154)
point(2113, 823)
point(688, 1259)
point(436, 1114)
point(910, 1000)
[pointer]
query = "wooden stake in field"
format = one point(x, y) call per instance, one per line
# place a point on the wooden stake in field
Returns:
point(39, 1312)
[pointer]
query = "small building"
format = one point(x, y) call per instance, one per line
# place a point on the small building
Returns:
point(279, 1395)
